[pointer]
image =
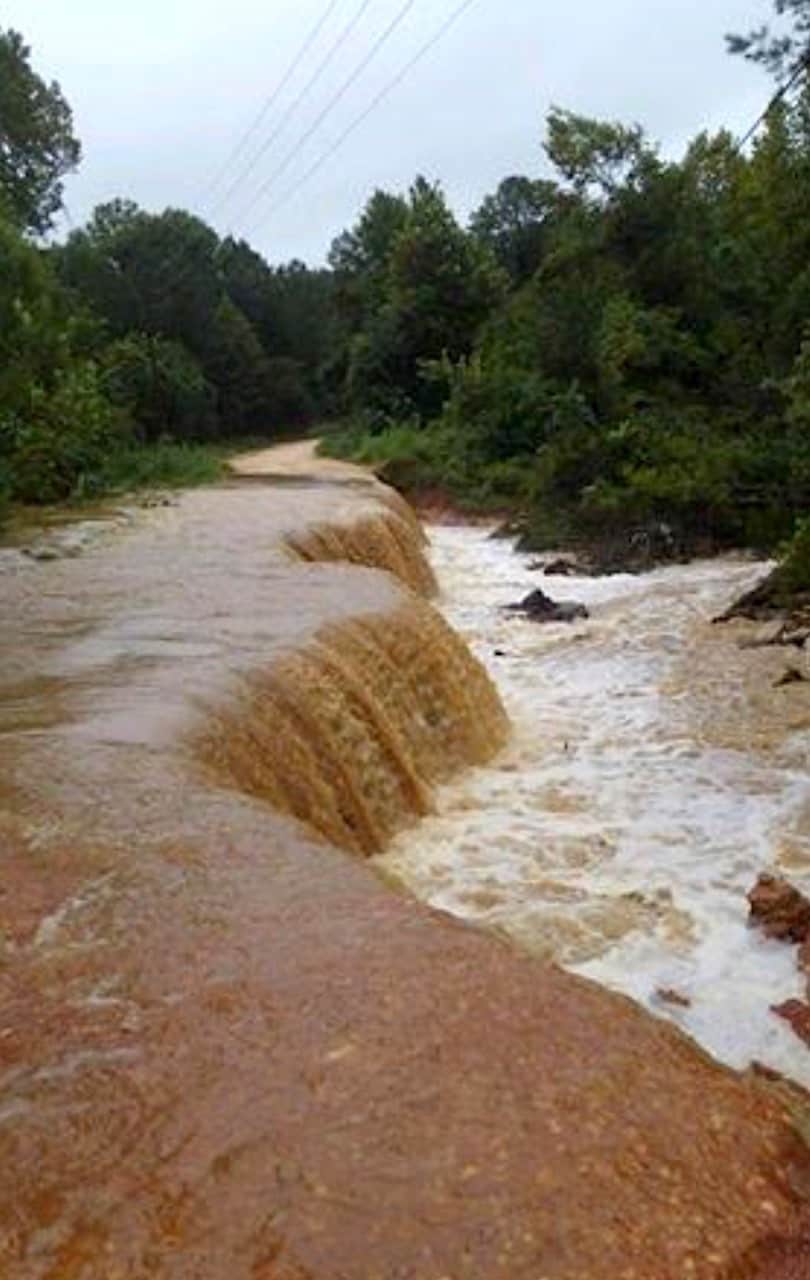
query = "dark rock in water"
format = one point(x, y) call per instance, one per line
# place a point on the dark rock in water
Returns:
point(560, 568)
point(797, 1013)
point(795, 636)
point(791, 675)
point(638, 550)
point(787, 633)
point(539, 607)
point(775, 597)
point(668, 995)
point(779, 909)
point(507, 529)
point(773, 633)
point(765, 1072)
point(565, 566)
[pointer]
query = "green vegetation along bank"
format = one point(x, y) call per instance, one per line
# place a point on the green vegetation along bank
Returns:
point(136, 351)
point(619, 355)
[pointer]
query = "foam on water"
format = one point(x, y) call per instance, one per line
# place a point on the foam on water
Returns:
point(613, 835)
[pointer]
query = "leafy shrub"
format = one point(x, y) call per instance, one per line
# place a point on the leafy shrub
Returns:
point(166, 464)
point(58, 442)
point(795, 568)
point(289, 401)
point(161, 386)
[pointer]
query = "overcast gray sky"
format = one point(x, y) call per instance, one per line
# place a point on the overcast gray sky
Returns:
point(163, 90)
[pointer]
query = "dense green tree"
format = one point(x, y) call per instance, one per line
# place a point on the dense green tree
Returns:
point(514, 223)
point(593, 155)
point(238, 368)
point(291, 310)
point(161, 386)
point(364, 251)
point(33, 334)
point(649, 370)
point(56, 423)
point(37, 146)
point(305, 321)
point(205, 317)
point(420, 287)
point(359, 261)
point(156, 274)
point(248, 282)
point(441, 283)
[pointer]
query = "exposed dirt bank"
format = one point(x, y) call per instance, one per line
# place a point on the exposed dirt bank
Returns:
point(229, 1052)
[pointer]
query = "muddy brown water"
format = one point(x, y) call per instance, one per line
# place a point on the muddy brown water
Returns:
point(226, 1048)
point(655, 768)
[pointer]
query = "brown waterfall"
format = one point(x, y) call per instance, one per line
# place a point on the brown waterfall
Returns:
point(227, 1050)
point(383, 540)
point(349, 734)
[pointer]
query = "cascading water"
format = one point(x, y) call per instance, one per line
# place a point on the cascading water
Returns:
point(226, 1048)
point(350, 734)
point(643, 791)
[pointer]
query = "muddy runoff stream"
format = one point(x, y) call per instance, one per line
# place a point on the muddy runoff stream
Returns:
point(228, 1050)
point(653, 773)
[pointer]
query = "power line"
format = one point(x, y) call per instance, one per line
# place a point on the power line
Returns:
point(294, 105)
point(802, 66)
point(273, 98)
point(372, 106)
point(332, 103)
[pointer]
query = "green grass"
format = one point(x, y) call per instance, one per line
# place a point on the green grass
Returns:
point(419, 460)
point(357, 444)
point(795, 568)
point(127, 469)
point(156, 466)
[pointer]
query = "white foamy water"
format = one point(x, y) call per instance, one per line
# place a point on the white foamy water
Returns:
point(613, 835)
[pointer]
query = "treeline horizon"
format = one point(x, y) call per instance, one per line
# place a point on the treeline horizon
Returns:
point(623, 344)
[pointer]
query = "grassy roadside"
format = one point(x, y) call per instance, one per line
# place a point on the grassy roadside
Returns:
point(132, 469)
point(422, 463)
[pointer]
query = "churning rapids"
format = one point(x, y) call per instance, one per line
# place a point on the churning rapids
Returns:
point(654, 771)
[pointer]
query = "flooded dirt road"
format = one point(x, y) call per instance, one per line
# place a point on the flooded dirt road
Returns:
point(227, 1049)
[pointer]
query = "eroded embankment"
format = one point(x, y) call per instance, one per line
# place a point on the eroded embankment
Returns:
point(229, 1053)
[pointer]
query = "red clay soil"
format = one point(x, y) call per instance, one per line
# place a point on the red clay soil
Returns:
point(250, 1060)
point(778, 1259)
point(436, 506)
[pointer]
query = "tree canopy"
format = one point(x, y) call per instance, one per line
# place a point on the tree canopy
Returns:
point(617, 341)
point(783, 51)
point(37, 145)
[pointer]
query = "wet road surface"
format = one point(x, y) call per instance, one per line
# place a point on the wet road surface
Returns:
point(227, 1049)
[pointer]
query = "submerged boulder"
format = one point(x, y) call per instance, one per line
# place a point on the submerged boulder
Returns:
point(538, 607)
point(797, 1014)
